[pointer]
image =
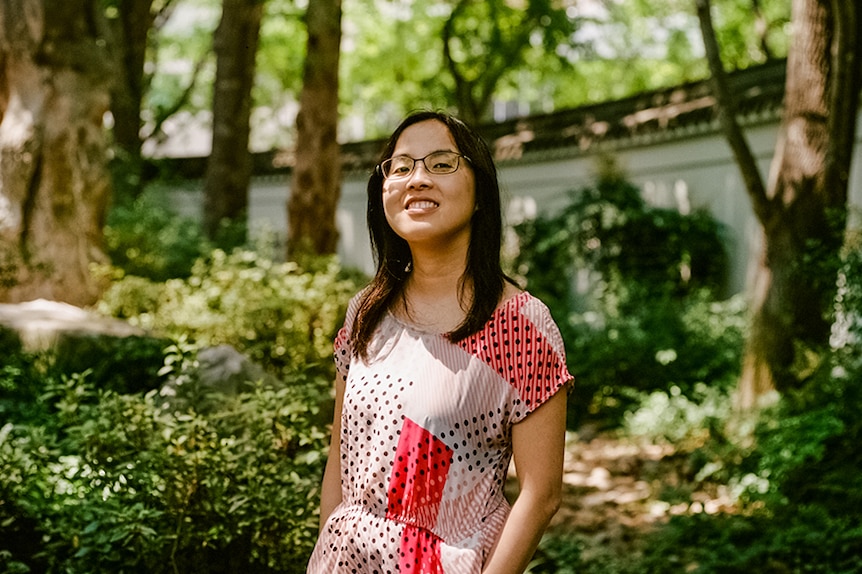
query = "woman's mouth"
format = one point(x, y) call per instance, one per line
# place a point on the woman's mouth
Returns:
point(421, 205)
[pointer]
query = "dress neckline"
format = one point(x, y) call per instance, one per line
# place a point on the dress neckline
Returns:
point(503, 306)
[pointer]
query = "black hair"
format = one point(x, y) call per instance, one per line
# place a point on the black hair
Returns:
point(392, 254)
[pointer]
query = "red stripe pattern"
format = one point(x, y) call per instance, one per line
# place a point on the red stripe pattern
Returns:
point(520, 353)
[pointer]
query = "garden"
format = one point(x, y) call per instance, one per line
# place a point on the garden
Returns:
point(103, 470)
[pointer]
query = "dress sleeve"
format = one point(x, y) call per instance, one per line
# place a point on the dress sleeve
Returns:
point(542, 358)
point(343, 344)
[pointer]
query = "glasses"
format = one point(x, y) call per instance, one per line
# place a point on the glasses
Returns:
point(437, 163)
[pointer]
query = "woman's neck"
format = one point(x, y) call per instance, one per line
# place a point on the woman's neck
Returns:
point(436, 295)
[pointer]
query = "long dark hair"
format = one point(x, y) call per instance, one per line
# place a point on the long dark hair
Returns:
point(392, 254)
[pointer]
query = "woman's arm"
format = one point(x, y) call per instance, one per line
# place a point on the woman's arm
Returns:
point(330, 491)
point(538, 445)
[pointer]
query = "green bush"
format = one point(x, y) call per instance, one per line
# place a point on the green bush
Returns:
point(663, 344)
point(630, 250)
point(281, 316)
point(798, 483)
point(123, 483)
point(114, 478)
point(633, 289)
point(145, 238)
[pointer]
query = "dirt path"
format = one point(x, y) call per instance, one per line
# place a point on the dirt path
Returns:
point(617, 490)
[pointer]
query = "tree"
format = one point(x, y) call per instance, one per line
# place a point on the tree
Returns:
point(229, 167)
point(803, 207)
point(483, 41)
point(316, 181)
point(130, 24)
point(55, 74)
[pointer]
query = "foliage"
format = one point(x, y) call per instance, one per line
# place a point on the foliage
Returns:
point(392, 57)
point(124, 483)
point(146, 239)
point(102, 478)
point(281, 316)
point(486, 42)
point(645, 319)
point(798, 484)
point(685, 421)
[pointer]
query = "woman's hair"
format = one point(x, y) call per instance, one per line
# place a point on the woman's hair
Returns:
point(392, 254)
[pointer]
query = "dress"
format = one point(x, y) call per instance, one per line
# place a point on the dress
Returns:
point(426, 440)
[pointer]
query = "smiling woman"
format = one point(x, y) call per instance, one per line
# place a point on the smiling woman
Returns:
point(446, 372)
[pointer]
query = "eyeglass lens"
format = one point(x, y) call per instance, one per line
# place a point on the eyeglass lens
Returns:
point(440, 162)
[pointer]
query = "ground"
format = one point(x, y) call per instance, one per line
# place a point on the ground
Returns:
point(617, 489)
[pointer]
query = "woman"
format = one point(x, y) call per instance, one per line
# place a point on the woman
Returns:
point(446, 371)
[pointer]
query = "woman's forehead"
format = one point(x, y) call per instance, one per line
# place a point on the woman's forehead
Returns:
point(424, 138)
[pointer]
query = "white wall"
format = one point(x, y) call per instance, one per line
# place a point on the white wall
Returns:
point(695, 172)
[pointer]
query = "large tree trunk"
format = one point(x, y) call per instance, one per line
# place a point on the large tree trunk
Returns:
point(803, 208)
point(316, 183)
point(229, 168)
point(804, 227)
point(54, 187)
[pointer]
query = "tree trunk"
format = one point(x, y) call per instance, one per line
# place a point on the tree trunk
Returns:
point(803, 208)
point(229, 168)
point(796, 280)
point(316, 183)
point(130, 31)
point(54, 187)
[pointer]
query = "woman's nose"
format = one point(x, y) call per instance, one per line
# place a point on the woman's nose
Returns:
point(420, 176)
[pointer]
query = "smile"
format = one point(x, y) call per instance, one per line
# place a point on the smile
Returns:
point(421, 205)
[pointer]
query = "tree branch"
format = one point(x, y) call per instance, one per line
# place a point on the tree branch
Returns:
point(727, 115)
point(166, 113)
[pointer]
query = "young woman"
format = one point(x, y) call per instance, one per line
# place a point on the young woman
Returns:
point(446, 372)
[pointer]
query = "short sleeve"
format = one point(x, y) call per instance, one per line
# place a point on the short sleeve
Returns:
point(541, 352)
point(343, 344)
point(523, 345)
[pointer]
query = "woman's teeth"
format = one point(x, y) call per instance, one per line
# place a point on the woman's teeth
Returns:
point(421, 205)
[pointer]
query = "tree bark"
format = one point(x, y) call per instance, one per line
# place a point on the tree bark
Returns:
point(54, 188)
point(803, 207)
point(316, 182)
point(228, 172)
point(129, 34)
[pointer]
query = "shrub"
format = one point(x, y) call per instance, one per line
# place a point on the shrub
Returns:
point(628, 249)
point(799, 485)
point(145, 238)
point(663, 344)
point(101, 478)
point(125, 484)
point(281, 316)
point(633, 289)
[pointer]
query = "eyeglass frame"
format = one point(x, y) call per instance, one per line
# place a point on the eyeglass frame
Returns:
point(382, 172)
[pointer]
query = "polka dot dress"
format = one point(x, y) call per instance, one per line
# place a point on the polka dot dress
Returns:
point(426, 440)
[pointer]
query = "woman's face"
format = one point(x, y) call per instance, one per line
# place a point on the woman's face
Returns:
point(428, 209)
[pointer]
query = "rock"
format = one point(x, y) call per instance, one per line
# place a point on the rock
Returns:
point(116, 354)
point(40, 324)
point(225, 370)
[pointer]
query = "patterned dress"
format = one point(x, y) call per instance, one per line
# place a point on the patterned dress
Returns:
point(426, 431)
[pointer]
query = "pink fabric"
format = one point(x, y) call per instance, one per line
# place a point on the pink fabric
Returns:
point(426, 440)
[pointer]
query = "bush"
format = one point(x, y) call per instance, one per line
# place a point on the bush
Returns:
point(145, 238)
point(281, 316)
point(663, 344)
point(121, 483)
point(102, 478)
point(633, 289)
point(627, 250)
point(799, 485)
